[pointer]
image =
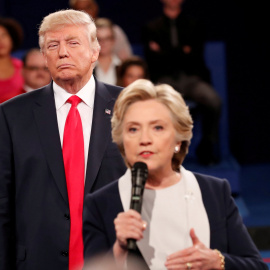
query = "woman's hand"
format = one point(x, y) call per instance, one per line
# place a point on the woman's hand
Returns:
point(196, 257)
point(127, 225)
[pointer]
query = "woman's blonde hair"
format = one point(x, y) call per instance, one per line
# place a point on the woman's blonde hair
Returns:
point(62, 18)
point(142, 90)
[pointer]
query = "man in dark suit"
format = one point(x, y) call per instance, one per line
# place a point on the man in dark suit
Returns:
point(174, 51)
point(35, 199)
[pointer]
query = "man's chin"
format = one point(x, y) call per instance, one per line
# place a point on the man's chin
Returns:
point(66, 77)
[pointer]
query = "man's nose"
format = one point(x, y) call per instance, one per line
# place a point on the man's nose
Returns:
point(63, 51)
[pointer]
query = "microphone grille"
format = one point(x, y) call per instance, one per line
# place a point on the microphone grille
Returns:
point(140, 165)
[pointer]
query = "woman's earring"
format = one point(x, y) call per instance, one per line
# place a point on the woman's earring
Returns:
point(176, 149)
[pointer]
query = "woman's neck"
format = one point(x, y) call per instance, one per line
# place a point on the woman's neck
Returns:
point(104, 62)
point(157, 182)
point(6, 67)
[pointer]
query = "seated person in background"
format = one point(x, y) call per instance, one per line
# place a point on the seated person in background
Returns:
point(108, 62)
point(11, 79)
point(35, 72)
point(132, 69)
point(122, 47)
point(173, 45)
point(152, 124)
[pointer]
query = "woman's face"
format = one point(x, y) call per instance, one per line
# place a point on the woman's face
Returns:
point(132, 74)
point(106, 40)
point(5, 42)
point(149, 136)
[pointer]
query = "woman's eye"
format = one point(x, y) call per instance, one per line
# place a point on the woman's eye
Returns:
point(158, 127)
point(132, 129)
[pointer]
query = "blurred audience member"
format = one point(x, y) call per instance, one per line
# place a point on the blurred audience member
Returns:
point(35, 72)
point(11, 80)
point(174, 47)
point(108, 62)
point(122, 47)
point(132, 69)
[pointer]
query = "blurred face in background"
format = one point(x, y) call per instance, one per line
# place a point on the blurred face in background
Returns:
point(106, 40)
point(5, 42)
point(172, 3)
point(88, 6)
point(35, 72)
point(133, 73)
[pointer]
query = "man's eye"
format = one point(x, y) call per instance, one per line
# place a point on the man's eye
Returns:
point(51, 46)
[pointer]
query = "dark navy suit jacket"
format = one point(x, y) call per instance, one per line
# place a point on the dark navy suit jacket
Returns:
point(227, 232)
point(34, 209)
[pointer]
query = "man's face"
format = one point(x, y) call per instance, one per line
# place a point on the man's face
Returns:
point(35, 72)
point(69, 55)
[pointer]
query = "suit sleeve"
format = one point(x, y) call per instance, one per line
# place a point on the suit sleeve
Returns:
point(94, 232)
point(241, 251)
point(7, 197)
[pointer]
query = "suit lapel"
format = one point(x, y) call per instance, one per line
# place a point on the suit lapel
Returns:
point(46, 120)
point(100, 133)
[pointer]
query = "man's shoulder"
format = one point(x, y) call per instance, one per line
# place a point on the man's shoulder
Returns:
point(24, 100)
point(112, 90)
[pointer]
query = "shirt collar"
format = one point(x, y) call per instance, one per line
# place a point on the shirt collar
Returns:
point(28, 88)
point(115, 60)
point(87, 94)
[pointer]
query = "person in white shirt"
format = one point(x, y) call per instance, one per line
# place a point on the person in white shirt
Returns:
point(122, 47)
point(108, 62)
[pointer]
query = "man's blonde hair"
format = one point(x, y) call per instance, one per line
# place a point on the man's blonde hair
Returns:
point(61, 18)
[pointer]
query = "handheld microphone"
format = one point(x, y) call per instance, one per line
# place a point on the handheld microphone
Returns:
point(139, 174)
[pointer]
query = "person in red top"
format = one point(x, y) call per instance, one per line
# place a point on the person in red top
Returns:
point(11, 79)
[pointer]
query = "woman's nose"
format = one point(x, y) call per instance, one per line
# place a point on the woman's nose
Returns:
point(146, 137)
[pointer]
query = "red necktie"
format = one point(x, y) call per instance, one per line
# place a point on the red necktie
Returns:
point(73, 154)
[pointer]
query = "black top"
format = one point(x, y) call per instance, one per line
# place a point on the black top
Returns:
point(170, 59)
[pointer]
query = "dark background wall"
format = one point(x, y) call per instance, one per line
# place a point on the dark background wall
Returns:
point(241, 25)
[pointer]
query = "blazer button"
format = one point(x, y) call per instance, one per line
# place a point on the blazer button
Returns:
point(67, 216)
point(64, 253)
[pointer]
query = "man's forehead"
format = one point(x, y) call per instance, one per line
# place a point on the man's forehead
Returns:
point(34, 57)
point(66, 32)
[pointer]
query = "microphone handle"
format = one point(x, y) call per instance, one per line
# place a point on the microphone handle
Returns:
point(139, 176)
point(131, 244)
point(136, 204)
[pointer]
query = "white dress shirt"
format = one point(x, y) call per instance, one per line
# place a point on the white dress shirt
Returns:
point(110, 75)
point(85, 108)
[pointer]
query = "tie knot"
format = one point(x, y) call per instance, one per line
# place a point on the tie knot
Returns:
point(74, 100)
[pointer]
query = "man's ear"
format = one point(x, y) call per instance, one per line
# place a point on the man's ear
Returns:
point(45, 58)
point(95, 55)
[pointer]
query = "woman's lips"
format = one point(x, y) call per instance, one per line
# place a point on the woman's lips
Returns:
point(146, 154)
